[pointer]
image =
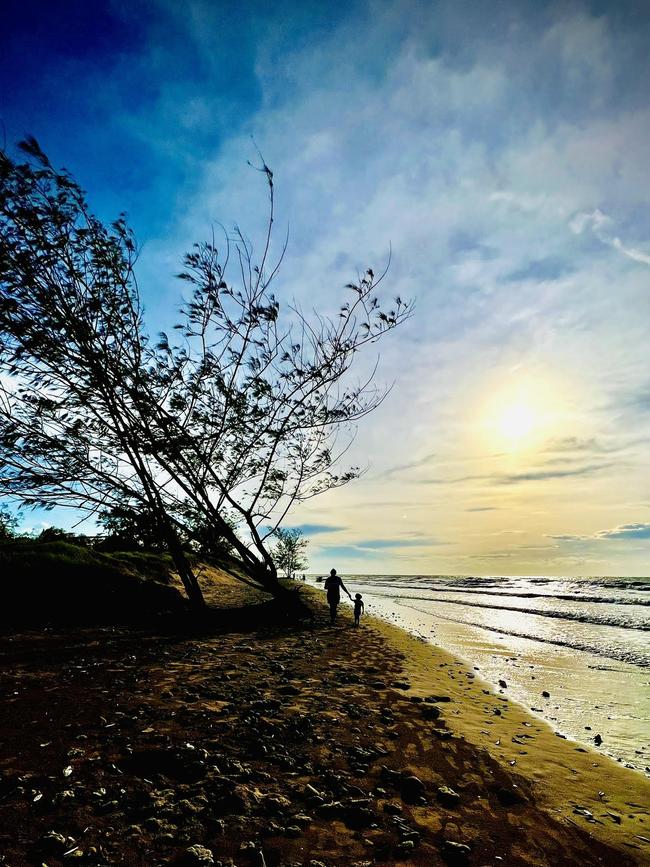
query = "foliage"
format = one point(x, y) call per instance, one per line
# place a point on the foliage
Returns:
point(289, 552)
point(246, 413)
point(55, 534)
point(8, 524)
point(206, 539)
point(127, 529)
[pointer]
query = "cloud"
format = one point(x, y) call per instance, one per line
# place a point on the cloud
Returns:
point(575, 444)
point(545, 475)
point(528, 476)
point(395, 543)
point(410, 465)
point(315, 529)
point(350, 552)
point(626, 531)
point(622, 532)
point(600, 224)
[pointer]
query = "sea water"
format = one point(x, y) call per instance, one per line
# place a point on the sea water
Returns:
point(584, 641)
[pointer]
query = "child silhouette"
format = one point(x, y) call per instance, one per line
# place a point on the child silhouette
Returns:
point(358, 608)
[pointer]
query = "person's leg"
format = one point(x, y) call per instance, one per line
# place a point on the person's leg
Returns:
point(332, 612)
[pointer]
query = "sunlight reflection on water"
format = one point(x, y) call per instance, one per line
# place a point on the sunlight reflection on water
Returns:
point(594, 668)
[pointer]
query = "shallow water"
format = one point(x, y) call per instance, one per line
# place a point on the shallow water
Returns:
point(586, 641)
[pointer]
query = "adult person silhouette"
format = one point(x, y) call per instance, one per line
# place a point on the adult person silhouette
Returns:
point(333, 585)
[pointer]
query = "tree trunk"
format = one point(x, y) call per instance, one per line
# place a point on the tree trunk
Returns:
point(187, 576)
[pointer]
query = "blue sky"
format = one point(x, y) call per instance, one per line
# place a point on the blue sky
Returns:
point(500, 150)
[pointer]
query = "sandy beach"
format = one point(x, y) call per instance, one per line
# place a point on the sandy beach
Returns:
point(586, 677)
point(289, 745)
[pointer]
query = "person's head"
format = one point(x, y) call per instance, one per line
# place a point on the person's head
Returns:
point(332, 572)
point(358, 596)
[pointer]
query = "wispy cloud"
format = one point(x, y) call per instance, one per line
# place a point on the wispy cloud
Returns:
point(575, 444)
point(409, 465)
point(623, 532)
point(533, 475)
point(396, 543)
point(546, 475)
point(316, 529)
point(601, 225)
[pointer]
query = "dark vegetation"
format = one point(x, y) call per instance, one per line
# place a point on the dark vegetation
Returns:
point(58, 581)
point(60, 578)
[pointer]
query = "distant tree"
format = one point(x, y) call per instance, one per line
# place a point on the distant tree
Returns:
point(289, 552)
point(127, 528)
point(8, 524)
point(239, 417)
point(55, 534)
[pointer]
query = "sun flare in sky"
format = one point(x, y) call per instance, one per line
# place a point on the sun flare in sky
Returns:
point(521, 416)
point(517, 422)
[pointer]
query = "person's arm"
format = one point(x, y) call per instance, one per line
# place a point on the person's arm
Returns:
point(345, 588)
point(363, 607)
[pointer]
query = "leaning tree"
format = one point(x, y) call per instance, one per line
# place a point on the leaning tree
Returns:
point(234, 420)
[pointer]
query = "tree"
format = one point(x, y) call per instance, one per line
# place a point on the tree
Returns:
point(55, 534)
point(129, 528)
point(8, 524)
point(245, 414)
point(289, 552)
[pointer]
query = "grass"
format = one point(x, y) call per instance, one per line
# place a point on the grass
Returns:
point(62, 581)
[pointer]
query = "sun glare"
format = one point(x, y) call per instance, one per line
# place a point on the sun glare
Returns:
point(517, 421)
point(518, 417)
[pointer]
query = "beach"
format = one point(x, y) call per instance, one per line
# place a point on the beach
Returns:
point(574, 652)
point(290, 744)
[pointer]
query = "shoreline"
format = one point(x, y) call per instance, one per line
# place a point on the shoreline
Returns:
point(579, 694)
point(324, 746)
point(566, 775)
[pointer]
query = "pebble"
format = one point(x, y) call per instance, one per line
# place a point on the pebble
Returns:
point(448, 797)
point(412, 788)
point(54, 843)
point(456, 853)
point(430, 713)
point(198, 855)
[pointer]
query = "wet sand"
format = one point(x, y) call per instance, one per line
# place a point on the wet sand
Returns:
point(588, 695)
point(289, 745)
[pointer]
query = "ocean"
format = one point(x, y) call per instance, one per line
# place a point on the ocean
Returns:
point(584, 641)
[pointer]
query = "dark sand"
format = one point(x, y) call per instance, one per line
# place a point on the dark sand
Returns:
point(304, 745)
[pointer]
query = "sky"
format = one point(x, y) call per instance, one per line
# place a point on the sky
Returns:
point(500, 151)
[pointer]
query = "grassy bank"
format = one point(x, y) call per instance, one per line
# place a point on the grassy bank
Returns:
point(62, 582)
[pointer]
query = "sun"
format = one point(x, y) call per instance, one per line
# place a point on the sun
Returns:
point(516, 416)
point(516, 421)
